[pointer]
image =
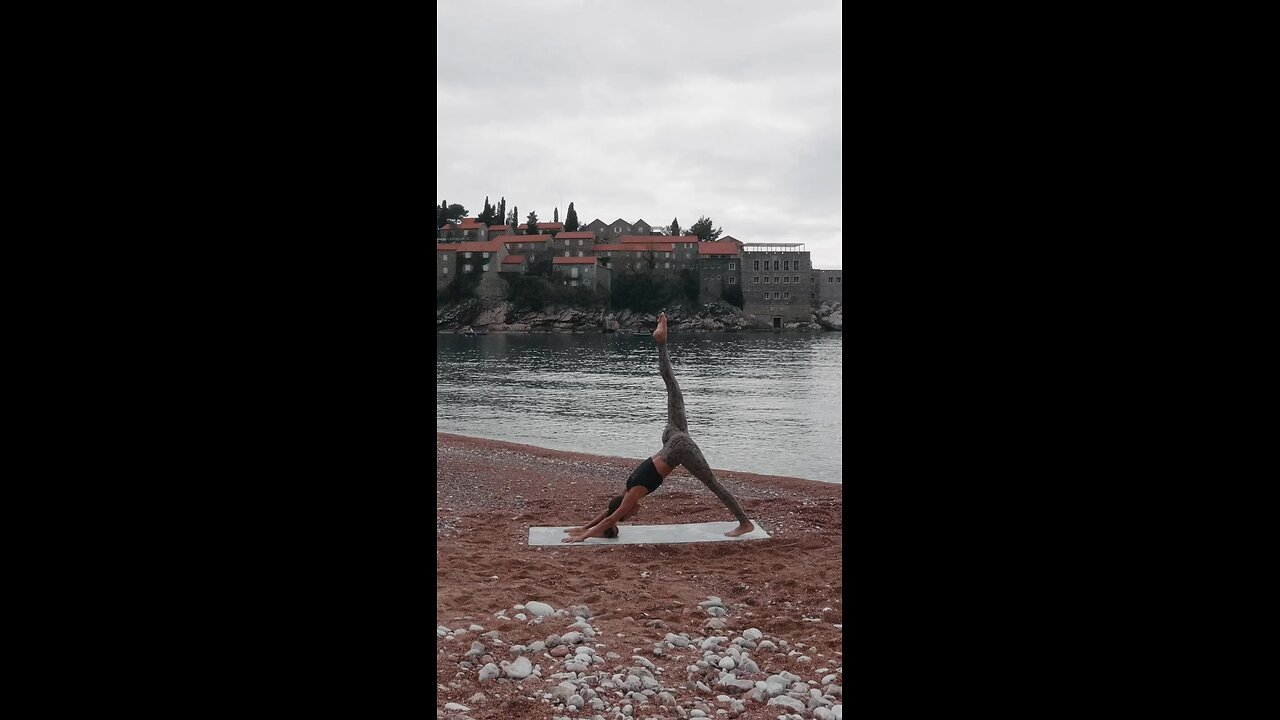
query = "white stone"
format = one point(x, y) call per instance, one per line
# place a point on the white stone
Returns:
point(788, 702)
point(752, 634)
point(521, 616)
point(489, 672)
point(539, 608)
point(519, 669)
point(456, 706)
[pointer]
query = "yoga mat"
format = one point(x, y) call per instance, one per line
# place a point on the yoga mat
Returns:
point(651, 534)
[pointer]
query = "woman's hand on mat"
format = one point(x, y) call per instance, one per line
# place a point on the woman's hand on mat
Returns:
point(576, 537)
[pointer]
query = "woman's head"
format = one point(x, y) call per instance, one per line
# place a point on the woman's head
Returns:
point(614, 504)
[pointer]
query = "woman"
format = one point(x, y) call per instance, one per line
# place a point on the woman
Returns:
point(677, 449)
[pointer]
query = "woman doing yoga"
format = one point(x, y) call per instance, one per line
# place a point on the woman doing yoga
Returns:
point(677, 449)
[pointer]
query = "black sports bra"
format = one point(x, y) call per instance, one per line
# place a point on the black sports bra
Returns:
point(646, 474)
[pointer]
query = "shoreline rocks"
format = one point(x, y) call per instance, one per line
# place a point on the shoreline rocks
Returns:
point(485, 315)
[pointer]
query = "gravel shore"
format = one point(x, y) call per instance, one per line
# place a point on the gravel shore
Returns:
point(734, 629)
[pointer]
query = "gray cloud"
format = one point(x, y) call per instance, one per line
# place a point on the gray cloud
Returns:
point(647, 110)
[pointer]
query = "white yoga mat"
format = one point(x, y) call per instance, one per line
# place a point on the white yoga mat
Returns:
point(651, 534)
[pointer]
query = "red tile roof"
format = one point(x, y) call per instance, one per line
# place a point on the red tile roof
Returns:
point(512, 239)
point(573, 261)
point(492, 246)
point(635, 238)
point(544, 226)
point(499, 227)
point(513, 259)
point(471, 223)
point(450, 247)
point(718, 248)
point(576, 235)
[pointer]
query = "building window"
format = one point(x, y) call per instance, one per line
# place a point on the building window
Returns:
point(810, 279)
point(566, 253)
point(733, 280)
point(573, 272)
point(444, 257)
point(468, 256)
point(446, 271)
point(466, 268)
point(786, 264)
point(775, 296)
point(579, 243)
point(755, 264)
point(775, 279)
point(755, 279)
point(617, 229)
point(775, 264)
point(733, 266)
point(830, 279)
point(485, 255)
point(796, 280)
point(786, 296)
point(766, 279)
point(838, 278)
point(786, 278)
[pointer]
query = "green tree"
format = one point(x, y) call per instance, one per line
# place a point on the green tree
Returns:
point(486, 215)
point(674, 228)
point(571, 219)
point(533, 223)
point(463, 286)
point(447, 213)
point(502, 211)
point(540, 265)
point(703, 230)
point(512, 221)
point(555, 215)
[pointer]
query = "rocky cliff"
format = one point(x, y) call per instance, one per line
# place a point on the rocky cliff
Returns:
point(497, 315)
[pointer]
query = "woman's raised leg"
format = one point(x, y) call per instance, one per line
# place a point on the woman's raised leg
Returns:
point(675, 400)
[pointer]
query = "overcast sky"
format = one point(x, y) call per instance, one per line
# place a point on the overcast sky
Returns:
point(646, 109)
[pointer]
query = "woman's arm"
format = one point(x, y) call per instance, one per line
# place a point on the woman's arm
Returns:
point(598, 529)
point(598, 519)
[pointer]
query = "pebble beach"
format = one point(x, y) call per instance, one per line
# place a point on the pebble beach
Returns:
point(742, 629)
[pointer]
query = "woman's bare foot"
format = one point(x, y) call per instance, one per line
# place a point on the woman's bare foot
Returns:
point(660, 333)
point(742, 529)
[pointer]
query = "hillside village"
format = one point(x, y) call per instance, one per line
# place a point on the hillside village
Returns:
point(774, 282)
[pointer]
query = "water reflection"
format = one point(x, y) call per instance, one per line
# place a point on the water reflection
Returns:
point(758, 402)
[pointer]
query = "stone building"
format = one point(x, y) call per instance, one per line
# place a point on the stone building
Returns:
point(581, 272)
point(446, 264)
point(482, 258)
point(465, 230)
point(500, 230)
point(829, 285)
point(610, 232)
point(573, 244)
point(640, 257)
point(777, 282)
point(544, 228)
point(719, 267)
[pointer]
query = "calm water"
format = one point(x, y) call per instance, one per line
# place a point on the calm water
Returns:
point(766, 403)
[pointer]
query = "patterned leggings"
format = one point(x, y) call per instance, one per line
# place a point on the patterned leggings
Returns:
point(680, 449)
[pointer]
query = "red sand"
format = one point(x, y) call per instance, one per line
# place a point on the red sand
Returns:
point(490, 493)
